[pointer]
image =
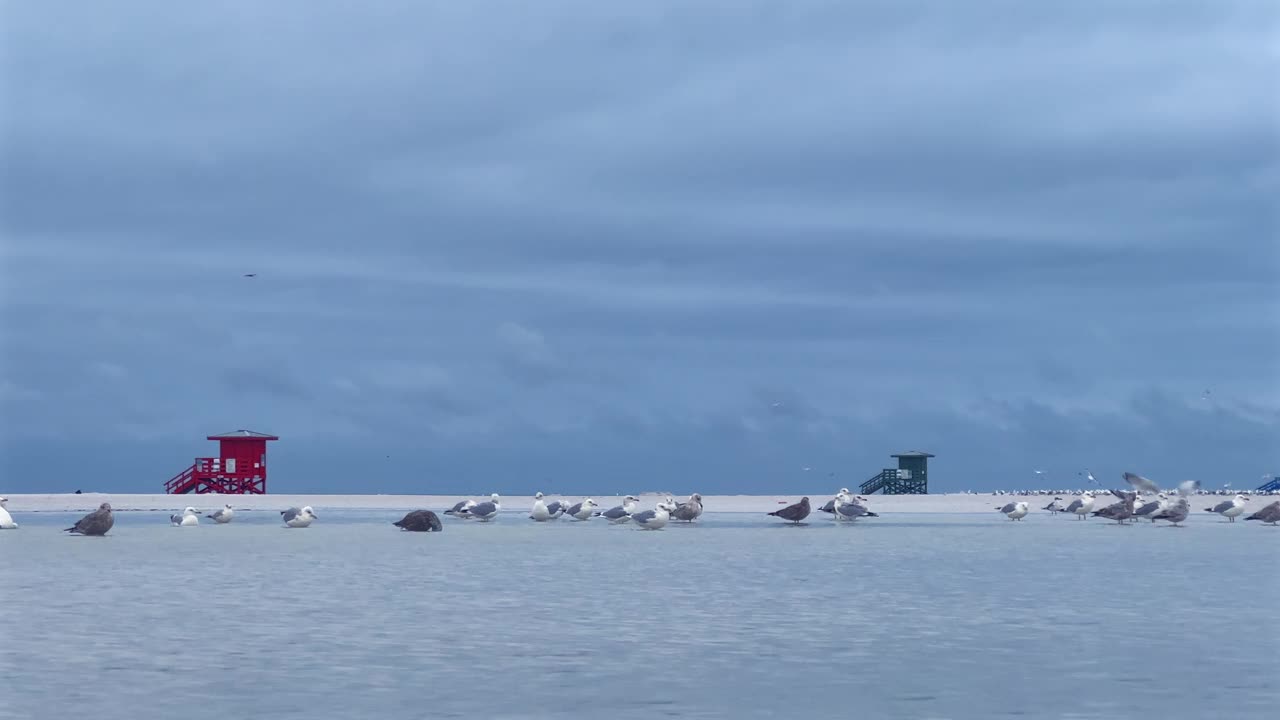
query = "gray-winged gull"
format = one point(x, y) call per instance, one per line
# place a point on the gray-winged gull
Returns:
point(654, 519)
point(582, 510)
point(484, 511)
point(188, 518)
point(794, 512)
point(6, 520)
point(1082, 505)
point(1151, 509)
point(1230, 509)
point(556, 508)
point(295, 518)
point(1175, 513)
point(98, 522)
point(1055, 506)
point(420, 521)
point(461, 505)
point(1269, 515)
point(222, 515)
point(849, 508)
point(619, 514)
point(1015, 510)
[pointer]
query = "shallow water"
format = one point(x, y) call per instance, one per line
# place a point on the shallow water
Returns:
point(919, 616)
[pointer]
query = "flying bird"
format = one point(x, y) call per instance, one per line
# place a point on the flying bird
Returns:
point(251, 275)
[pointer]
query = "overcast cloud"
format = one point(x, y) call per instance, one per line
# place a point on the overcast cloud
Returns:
point(605, 247)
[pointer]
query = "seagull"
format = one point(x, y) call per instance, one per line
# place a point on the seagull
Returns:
point(420, 521)
point(654, 519)
point(1055, 506)
point(251, 275)
point(1119, 511)
point(689, 510)
point(539, 510)
point(582, 510)
point(1015, 510)
point(97, 522)
point(295, 518)
point(556, 508)
point(223, 515)
point(1175, 513)
point(6, 520)
point(188, 518)
point(1152, 508)
point(620, 513)
point(1269, 515)
point(795, 513)
point(1140, 483)
point(848, 508)
point(485, 510)
point(1229, 509)
point(1188, 487)
point(460, 508)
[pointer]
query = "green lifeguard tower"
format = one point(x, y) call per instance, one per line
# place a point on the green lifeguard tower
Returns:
point(911, 477)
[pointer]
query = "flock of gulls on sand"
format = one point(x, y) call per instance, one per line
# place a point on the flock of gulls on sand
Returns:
point(1174, 507)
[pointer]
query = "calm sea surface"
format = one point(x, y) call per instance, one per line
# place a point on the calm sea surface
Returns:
point(911, 616)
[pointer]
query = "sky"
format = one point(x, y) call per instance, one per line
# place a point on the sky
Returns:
point(586, 247)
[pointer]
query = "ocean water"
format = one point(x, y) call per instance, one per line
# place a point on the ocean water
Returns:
point(911, 616)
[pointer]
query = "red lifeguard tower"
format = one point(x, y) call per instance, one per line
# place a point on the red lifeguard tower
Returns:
point(239, 469)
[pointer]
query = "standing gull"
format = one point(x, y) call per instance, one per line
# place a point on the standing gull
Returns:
point(6, 520)
point(795, 513)
point(295, 518)
point(849, 508)
point(188, 518)
point(1055, 506)
point(1151, 509)
point(654, 519)
point(689, 510)
point(621, 513)
point(556, 508)
point(539, 510)
point(420, 521)
point(1015, 510)
point(459, 509)
point(97, 522)
point(1229, 509)
point(1175, 513)
point(1082, 505)
point(484, 511)
point(1119, 511)
point(582, 510)
point(222, 515)
point(1269, 515)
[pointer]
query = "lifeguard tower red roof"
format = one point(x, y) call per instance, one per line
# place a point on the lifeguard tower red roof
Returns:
point(247, 434)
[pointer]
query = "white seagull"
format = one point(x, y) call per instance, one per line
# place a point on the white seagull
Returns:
point(188, 518)
point(582, 510)
point(485, 510)
point(6, 520)
point(295, 518)
point(1015, 510)
point(222, 515)
point(1082, 505)
point(654, 519)
point(1230, 509)
point(539, 510)
point(621, 513)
